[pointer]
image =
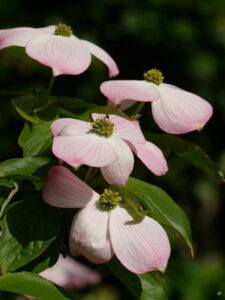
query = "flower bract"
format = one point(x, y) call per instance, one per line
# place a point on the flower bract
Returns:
point(174, 110)
point(141, 244)
point(107, 143)
point(57, 48)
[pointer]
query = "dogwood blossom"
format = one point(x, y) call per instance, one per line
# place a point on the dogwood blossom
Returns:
point(174, 110)
point(104, 226)
point(107, 143)
point(57, 48)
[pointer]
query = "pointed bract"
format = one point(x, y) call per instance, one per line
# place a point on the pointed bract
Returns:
point(63, 189)
point(178, 111)
point(89, 235)
point(119, 171)
point(138, 90)
point(103, 56)
point(140, 245)
point(151, 156)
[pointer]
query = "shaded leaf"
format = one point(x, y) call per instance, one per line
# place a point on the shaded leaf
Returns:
point(29, 105)
point(31, 284)
point(22, 167)
point(142, 286)
point(35, 138)
point(186, 150)
point(28, 229)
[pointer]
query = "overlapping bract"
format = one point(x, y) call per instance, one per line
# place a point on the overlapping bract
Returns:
point(65, 55)
point(141, 244)
point(174, 110)
point(76, 144)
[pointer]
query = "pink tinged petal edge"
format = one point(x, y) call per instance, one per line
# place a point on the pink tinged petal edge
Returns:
point(64, 55)
point(71, 274)
point(151, 156)
point(138, 90)
point(141, 246)
point(119, 171)
point(125, 129)
point(89, 235)
point(88, 149)
point(103, 56)
point(178, 111)
point(58, 125)
point(64, 189)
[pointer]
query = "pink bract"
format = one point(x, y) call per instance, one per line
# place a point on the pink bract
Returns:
point(141, 244)
point(65, 55)
point(75, 143)
point(174, 110)
point(70, 274)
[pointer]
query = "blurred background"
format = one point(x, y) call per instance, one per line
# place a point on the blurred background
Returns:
point(186, 41)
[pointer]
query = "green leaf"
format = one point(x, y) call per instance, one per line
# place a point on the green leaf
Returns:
point(22, 167)
point(8, 183)
point(142, 286)
point(29, 105)
point(186, 150)
point(46, 260)
point(35, 138)
point(163, 209)
point(31, 284)
point(28, 229)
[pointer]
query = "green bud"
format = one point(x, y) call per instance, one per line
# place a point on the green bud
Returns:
point(103, 127)
point(109, 199)
point(154, 76)
point(63, 30)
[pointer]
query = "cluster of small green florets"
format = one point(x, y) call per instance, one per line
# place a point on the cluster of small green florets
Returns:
point(154, 76)
point(109, 199)
point(103, 127)
point(63, 30)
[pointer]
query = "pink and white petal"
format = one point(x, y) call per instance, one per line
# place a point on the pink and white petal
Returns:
point(103, 56)
point(125, 129)
point(140, 245)
point(125, 104)
point(89, 235)
point(151, 156)
point(64, 189)
point(71, 274)
point(58, 125)
point(178, 111)
point(64, 55)
point(88, 149)
point(138, 90)
point(18, 36)
point(119, 171)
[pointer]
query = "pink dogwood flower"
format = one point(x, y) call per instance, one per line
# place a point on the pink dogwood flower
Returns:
point(105, 226)
point(174, 110)
point(107, 143)
point(57, 48)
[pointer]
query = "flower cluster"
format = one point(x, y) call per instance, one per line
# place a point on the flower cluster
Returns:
point(105, 225)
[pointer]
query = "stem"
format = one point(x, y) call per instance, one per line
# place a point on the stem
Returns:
point(12, 193)
point(139, 108)
point(88, 174)
point(51, 83)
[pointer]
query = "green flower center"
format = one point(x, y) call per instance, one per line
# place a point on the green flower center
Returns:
point(103, 127)
point(63, 30)
point(154, 76)
point(109, 199)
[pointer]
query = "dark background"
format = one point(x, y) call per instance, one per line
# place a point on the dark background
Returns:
point(186, 41)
